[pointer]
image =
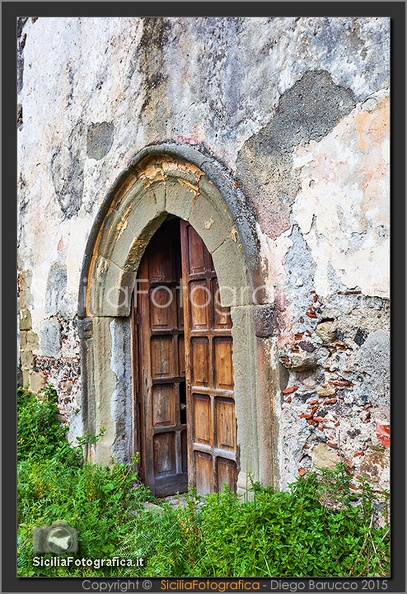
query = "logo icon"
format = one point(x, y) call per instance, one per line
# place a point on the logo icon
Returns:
point(58, 538)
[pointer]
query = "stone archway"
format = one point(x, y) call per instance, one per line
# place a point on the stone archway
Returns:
point(175, 180)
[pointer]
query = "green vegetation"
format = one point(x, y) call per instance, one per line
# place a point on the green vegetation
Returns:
point(320, 527)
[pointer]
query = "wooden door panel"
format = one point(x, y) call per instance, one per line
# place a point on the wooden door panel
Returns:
point(163, 405)
point(226, 474)
point(225, 424)
point(181, 355)
point(204, 472)
point(164, 454)
point(184, 452)
point(209, 371)
point(162, 262)
point(202, 422)
point(200, 361)
point(184, 387)
point(163, 308)
point(162, 364)
point(222, 316)
point(200, 303)
point(180, 307)
point(196, 260)
point(223, 363)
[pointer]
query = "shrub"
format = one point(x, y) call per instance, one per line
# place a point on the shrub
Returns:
point(39, 434)
point(319, 527)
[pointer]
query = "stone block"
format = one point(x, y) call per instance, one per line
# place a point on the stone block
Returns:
point(103, 389)
point(25, 319)
point(140, 210)
point(326, 331)
point(373, 359)
point(211, 223)
point(180, 196)
point(99, 139)
point(36, 381)
point(323, 457)
point(303, 360)
point(180, 169)
point(139, 245)
point(26, 360)
point(264, 320)
point(245, 377)
point(111, 289)
point(153, 508)
point(159, 191)
point(376, 468)
point(26, 377)
point(126, 220)
point(32, 341)
point(234, 284)
point(122, 243)
point(23, 339)
point(20, 380)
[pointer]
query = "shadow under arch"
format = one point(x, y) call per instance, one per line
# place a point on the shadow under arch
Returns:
point(177, 180)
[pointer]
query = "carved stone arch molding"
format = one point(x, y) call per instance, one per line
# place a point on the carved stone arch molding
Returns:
point(177, 180)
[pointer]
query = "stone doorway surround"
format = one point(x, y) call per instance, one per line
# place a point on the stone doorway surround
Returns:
point(176, 179)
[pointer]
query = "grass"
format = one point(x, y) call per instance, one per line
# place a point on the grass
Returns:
point(319, 527)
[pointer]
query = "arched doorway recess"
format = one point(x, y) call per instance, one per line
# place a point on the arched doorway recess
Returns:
point(161, 181)
point(184, 423)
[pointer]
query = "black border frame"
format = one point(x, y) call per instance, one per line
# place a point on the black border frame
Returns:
point(10, 11)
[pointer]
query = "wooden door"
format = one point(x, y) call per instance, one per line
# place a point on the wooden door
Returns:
point(209, 371)
point(160, 380)
point(184, 406)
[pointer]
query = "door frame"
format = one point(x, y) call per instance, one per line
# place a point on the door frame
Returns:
point(162, 180)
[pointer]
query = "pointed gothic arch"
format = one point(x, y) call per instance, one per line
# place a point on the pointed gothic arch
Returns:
point(175, 180)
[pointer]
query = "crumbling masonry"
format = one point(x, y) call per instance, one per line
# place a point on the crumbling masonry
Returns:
point(271, 136)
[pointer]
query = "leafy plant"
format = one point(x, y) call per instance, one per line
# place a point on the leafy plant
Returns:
point(39, 434)
point(319, 527)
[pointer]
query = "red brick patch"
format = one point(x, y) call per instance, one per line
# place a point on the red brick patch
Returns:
point(290, 390)
point(383, 432)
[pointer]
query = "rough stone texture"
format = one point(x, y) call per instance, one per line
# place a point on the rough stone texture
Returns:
point(121, 402)
point(99, 140)
point(245, 371)
point(205, 215)
point(373, 361)
point(375, 467)
point(306, 112)
point(349, 229)
point(323, 457)
point(292, 114)
point(49, 338)
point(292, 442)
point(264, 320)
point(325, 331)
point(67, 173)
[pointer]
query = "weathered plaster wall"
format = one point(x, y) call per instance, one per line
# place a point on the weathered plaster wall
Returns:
point(296, 111)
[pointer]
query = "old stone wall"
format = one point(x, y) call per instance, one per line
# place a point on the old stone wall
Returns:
point(296, 112)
